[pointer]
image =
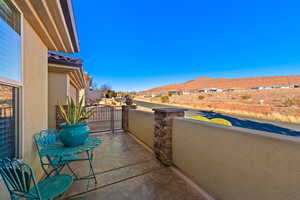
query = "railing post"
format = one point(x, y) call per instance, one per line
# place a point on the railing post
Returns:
point(112, 119)
point(125, 118)
point(163, 120)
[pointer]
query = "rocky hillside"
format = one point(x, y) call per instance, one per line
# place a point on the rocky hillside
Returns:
point(223, 83)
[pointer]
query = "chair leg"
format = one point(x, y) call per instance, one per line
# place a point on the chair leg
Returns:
point(54, 169)
point(72, 171)
point(59, 169)
point(90, 158)
point(45, 171)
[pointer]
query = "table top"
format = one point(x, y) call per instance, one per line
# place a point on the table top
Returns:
point(58, 149)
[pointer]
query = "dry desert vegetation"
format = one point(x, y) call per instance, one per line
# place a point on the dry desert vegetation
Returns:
point(277, 104)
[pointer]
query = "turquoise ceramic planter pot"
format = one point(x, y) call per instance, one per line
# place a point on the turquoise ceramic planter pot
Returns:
point(74, 135)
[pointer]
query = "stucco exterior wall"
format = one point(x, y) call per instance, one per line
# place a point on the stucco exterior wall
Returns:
point(57, 94)
point(82, 94)
point(233, 163)
point(35, 96)
point(141, 125)
point(35, 104)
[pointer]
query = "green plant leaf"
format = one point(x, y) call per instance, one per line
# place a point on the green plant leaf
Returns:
point(64, 114)
point(75, 113)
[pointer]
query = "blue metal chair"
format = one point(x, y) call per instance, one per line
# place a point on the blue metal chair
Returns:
point(21, 183)
point(50, 137)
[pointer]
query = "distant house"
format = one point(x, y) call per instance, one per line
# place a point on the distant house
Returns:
point(270, 87)
point(285, 87)
point(202, 91)
point(94, 96)
point(186, 92)
point(175, 92)
point(210, 90)
point(297, 86)
point(229, 90)
point(65, 79)
point(280, 86)
point(258, 88)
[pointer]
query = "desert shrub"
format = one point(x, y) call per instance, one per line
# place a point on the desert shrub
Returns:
point(200, 97)
point(291, 102)
point(169, 94)
point(164, 99)
point(210, 95)
point(245, 97)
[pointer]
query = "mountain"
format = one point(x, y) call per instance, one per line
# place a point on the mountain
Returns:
point(225, 83)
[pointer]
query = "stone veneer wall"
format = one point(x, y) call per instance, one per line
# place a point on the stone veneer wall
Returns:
point(163, 124)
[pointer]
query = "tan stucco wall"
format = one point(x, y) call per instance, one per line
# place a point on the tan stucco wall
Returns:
point(35, 69)
point(82, 94)
point(141, 125)
point(57, 94)
point(35, 95)
point(237, 164)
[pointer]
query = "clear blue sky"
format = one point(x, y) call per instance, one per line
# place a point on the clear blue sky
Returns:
point(136, 45)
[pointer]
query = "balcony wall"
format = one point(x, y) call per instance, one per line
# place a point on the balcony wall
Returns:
point(141, 125)
point(230, 163)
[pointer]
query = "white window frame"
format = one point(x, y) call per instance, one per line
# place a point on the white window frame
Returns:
point(19, 148)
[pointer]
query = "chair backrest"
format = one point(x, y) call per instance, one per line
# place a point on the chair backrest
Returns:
point(45, 137)
point(19, 178)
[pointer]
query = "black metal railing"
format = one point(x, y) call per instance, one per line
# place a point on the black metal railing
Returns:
point(7, 132)
point(105, 118)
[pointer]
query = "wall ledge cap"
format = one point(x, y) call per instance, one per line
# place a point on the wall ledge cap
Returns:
point(241, 130)
point(169, 110)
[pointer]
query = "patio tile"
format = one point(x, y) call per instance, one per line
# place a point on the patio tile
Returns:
point(115, 151)
point(160, 184)
point(114, 176)
point(126, 170)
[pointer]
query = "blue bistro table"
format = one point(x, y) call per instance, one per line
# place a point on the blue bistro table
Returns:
point(58, 150)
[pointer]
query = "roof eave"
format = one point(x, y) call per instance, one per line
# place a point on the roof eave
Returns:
point(67, 8)
point(53, 21)
point(76, 73)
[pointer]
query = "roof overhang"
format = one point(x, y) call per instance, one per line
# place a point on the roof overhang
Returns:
point(53, 21)
point(75, 73)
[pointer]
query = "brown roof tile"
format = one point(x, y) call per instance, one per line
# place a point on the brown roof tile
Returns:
point(55, 58)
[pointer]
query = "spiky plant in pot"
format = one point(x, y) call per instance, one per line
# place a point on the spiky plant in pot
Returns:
point(75, 130)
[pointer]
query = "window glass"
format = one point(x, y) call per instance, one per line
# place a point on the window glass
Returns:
point(8, 116)
point(10, 42)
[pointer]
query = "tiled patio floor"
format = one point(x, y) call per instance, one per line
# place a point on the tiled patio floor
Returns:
point(126, 170)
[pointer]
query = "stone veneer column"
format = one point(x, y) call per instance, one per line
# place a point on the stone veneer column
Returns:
point(125, 111)
point(163, 119)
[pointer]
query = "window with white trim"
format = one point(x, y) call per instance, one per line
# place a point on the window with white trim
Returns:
point(10, 78)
